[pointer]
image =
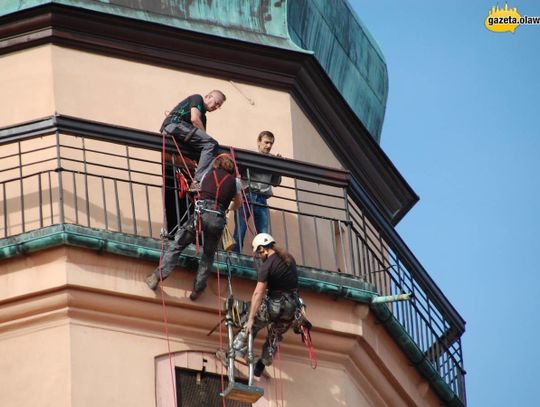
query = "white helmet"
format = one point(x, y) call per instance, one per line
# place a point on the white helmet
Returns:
point(262, 239)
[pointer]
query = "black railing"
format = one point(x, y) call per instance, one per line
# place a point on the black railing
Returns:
point(110, 178)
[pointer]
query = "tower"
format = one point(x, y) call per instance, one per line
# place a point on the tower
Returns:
point(85, 87)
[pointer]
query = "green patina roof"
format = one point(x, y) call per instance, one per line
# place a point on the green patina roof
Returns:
point(328, 29)
point(348, 54)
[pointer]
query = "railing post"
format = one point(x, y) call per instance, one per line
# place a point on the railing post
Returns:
point(60, 184)
point(4, 205)
point(300, 238)
point(87, 195)
point(23, 222)
point(131, 192)
point(349, 227)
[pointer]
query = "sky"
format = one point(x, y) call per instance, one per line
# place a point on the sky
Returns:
point(462, 126)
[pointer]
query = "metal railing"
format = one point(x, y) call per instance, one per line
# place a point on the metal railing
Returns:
point(317, 213)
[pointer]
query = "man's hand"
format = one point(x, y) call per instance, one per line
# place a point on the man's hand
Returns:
point(249, 326)
point(196, 118)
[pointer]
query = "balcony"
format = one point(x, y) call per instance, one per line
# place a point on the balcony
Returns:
point(103, 179)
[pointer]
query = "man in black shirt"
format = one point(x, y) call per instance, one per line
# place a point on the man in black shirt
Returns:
point(220, 191)
point(274, 300)
point(187, 122)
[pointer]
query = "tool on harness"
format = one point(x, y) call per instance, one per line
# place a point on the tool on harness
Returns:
point(189, 135)
point(183, 187)
point(227, 241)
point(202, 206)
point(301, 326)
point(176, 117)
point(239, 310)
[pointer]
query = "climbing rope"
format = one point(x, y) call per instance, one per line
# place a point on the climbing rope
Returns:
point(306, 338)
point(245, 202)
point(160, 266)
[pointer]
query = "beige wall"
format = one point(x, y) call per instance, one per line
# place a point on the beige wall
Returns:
point(36, 365)
point(307, 143)
point(82, 329)
point(38, 82)
point(136, 95)
point(26, 85)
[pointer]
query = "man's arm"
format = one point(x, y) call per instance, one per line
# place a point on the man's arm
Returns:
point(256, 301)
point(236, 202)
point(196, 118)
point(275, 180)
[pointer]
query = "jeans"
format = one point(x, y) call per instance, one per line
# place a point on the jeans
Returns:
point(200, 141)
point(212, 227)
point(257, 203)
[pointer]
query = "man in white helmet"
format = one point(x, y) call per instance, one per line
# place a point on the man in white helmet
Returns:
point(274, 300)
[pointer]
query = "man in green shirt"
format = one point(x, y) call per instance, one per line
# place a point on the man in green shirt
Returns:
point(187, 123)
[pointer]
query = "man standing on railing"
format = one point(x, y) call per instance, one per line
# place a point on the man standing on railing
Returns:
point(274, 301)
point(220, 191)
point(187, 123)
point(259, 189)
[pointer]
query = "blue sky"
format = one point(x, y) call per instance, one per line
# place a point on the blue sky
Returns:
point(462, 126)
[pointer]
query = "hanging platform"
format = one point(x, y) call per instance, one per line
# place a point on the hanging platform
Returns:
point(242, 392)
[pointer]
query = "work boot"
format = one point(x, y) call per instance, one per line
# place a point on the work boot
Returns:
point(152, 281)
point(194, 295)
point(259, 368)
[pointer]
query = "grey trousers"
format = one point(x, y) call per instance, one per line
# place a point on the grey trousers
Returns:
point(200, 141)
point(276, 314)
point(212, 228)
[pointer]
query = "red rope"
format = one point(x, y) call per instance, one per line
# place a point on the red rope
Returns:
point(182, 158)
point(244, 200)
point(280, 374)
point(276, 383)
point(309, 344)
point(198, 232)
point(163, 306)
point(198, 225)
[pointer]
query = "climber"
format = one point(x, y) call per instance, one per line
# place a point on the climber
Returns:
point(274, 301)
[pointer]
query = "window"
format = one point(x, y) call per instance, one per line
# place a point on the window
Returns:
point(198, 388)
point(197, 378)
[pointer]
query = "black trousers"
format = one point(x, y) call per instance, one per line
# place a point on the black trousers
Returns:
point(212, 229)
point(199, 140)
point(278, 315)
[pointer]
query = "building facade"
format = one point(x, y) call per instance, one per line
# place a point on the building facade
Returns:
point(85, 86)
